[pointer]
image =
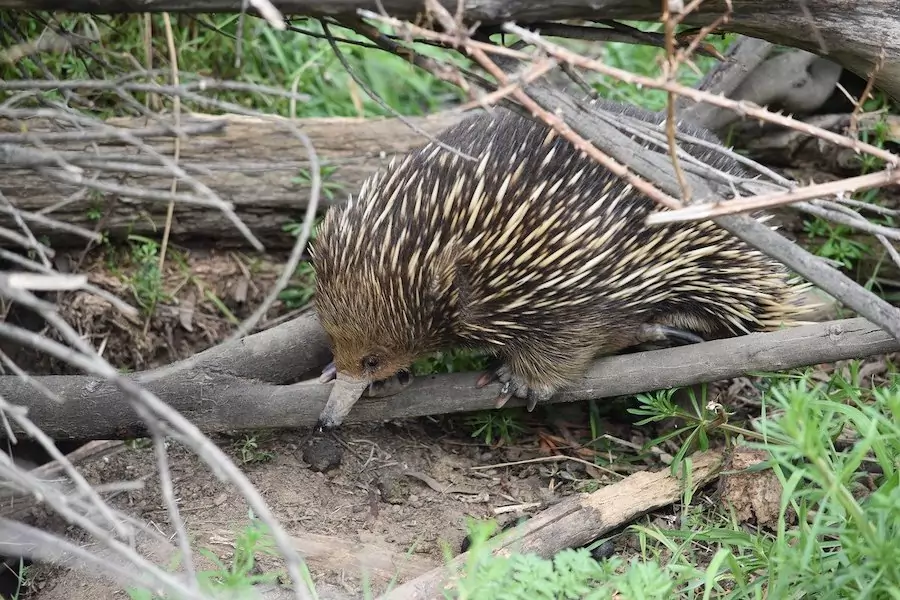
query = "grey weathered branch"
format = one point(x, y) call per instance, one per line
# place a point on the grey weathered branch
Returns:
point(852, 34)
point(245, 386)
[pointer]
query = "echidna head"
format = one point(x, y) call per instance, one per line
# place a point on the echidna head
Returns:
point(380, 314)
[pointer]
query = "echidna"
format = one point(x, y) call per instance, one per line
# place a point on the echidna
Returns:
point(532, 252)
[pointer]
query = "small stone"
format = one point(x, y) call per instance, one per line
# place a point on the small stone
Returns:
point(323, 454)
point(604, 550)
point(394, 489)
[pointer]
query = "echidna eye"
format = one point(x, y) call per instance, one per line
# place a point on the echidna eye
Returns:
point(370, 362)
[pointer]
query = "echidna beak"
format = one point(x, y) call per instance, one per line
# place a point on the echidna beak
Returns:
point(344, 394)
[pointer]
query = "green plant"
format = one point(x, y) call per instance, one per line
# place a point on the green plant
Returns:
point(249, 451)
point(302, 289)
point(146, 282)
point(237, 577)
point(842, 545)
point(328, 188)
point(496, 425)
point(838, 244)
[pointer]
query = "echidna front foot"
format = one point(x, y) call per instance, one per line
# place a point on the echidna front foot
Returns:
point(514, 385)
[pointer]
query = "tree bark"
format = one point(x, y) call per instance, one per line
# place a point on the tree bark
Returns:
point(250, 162)
point(853, 34)
point(244, 386)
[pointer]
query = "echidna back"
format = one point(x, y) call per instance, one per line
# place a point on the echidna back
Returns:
point(542, 237)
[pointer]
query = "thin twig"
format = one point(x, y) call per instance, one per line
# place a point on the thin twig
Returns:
point(83, 356)
point(380, 101)
point(670, 72)
point(739, 205)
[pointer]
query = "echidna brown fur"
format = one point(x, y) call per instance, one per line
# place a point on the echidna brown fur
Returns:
point(532, 252)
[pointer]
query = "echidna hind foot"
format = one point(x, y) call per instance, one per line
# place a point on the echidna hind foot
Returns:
point(516, 385)
point(557, 365)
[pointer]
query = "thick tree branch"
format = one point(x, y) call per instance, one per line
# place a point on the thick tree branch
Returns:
point(854, 34)
point(248, 161)
point(232, 387)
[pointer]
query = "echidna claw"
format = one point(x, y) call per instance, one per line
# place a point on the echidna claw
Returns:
point(504, 395)
point(512, 385)
point(328, 373)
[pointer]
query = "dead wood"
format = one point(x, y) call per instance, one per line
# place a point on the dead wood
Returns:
point(369, 560)
point(575, 521)
point(244, 386)
point(254, 163)
point(779, 147)
point(855, 35)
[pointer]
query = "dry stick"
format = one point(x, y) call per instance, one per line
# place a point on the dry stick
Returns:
point(47, 444)
point(575, 521)
point(709, 210)
point(670, 71)
point(214, 401)
point(26, 243)
point(18, 539)
point(741, 58)
point(202, 128)
point(167, 229)
point(114, 300)
point(299, 248)
point(560, 125)
point(204, 85)
point(695, 95)
point(852, 217)
point(612, 32)
point(867, 91)
point(17, 504)
point(52, 223)
point(64, 508)
point(17, 217)
point(641, 129)
point(176, 155)
point(168, 493)
point(125, 136)
point(380, 101)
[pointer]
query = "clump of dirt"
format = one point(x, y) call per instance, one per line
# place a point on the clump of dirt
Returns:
point(753, 494)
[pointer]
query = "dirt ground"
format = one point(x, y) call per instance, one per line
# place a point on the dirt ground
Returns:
point(401, 487)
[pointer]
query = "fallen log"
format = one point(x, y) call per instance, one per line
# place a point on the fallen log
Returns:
point(254, 163)
point(234, 387)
